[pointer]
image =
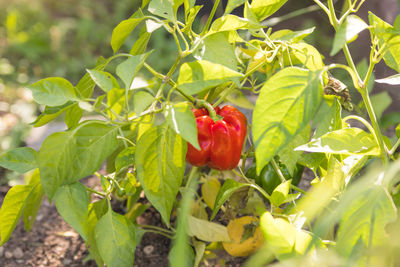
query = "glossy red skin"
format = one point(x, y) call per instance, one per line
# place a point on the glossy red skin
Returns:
point(221, 142)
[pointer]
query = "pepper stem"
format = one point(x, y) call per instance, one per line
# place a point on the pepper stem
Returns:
point(209, 107)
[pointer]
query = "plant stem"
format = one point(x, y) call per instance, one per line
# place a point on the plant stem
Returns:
point(324, 8)
point(278, 170)
point(153, 227)
point(362, 85)
point(273, 21)
point(210, 18)
point(192, 174)
point(208, 106)
point(95, 191)
point(374, 122)
point(188, 97)
point(147, 112)
point(160, 233)
point(298, 189)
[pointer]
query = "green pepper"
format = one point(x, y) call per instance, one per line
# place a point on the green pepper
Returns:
point(269, 178)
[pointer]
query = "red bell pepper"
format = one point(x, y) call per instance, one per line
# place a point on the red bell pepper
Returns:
point(220, 141)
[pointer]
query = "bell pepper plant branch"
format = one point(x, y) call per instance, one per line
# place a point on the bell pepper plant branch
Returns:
point(362, 85)
point(229, 89)
point(278, 170)
point(192, 174)
point(210, 18)
point(324, 8)
point(170, 81)
point(95, 191)
point(126, 140)
point(296, 188)
point(251, 184)
point(158, 232)
point(153, 227)
point(273, 21)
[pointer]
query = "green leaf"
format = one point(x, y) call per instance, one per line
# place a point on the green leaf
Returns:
point(392, 80)
point(288, 155)
point(66, 157)
point(282, 237)
point(140, 45)
point(265, 8)
point(228, 23)
point(125, 158)
point(103, 79)
point(239, 99)
point(53, 91)
point(307, 55)
point(180, 118)
point(21, 159)
point(12, 208)
point(380, 102)
point(51, 113)
point(347, 141)
point(232, 4)
point(96, 211)
point(280, 193)
point(115, 238)
point(322, 193)
point(33, 201)
point(365, 220)
point(123, 29)
point(388, 37)
point(86, 85)
point(73, 115)
point(287, 103)
point(217, 49)
point(163, 8)
point(128, 69)
point(226, 190)
point(115, 102)
point(347, 32)
point(141, 101)
point(160, 165)
point(200, 248)
point(197, 76)
point(330, 119)
point(207, 231)
point(72, 203)
point(292, 36)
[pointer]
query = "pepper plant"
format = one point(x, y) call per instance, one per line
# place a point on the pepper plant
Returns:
point(149, 119)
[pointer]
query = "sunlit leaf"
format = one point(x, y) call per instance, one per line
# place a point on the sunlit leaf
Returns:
point(392, 80)
point(347, 141)
point(347, 31)
point(160, 163)
point(180, 118)
point(197, 76)
point(265, 8)
point(227, 189)
point(72, 203)
point(287, 103)
point(115, 238)
point(66, 157)
point(53, 91)
point(207, 231)
point(123, 29)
